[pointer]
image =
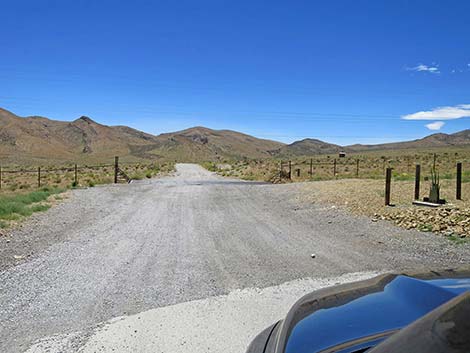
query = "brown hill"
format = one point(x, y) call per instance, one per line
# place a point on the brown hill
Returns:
point(307, 147)
point(200, 143)
point(461, 138)
point(41, 140)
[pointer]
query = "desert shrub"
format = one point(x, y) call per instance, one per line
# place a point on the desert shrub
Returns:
point(12, 207)
point(136, 176)
point(210, 166)
point(39, 208)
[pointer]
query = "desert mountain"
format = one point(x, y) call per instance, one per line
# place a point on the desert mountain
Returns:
point(461, 138)
point(41, 140)
point(307, 147)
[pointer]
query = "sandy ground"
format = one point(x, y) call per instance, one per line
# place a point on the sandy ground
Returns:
point(120, 250)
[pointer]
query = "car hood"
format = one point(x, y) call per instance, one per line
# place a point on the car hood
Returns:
point(360, 315)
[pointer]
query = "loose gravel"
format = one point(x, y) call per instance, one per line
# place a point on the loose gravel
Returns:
point(119, 250)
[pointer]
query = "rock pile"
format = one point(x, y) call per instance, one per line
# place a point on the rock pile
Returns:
point(447, 220)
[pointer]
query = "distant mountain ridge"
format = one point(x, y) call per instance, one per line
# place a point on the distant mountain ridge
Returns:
point(41, 140)
point(308, 147)
point(460, 138)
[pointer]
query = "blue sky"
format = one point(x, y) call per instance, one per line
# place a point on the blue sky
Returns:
point(340, 71)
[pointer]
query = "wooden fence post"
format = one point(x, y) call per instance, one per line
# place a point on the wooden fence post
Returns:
point(357, 168)
point(116, 169)
point(290, 170)
point(458, 192)
point(417, 180)
point(76, 175)
point(311, 167)
point(39, 177)
point(298, 172)
point(334, 168)
point(388, 182)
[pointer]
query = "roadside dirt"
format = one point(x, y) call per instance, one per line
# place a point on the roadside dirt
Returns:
point(366, 197)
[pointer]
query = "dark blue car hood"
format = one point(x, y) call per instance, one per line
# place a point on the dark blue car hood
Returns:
point(402, 301)
point(360, 315)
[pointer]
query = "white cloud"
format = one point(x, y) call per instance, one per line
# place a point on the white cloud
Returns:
point(434, 69)
point(435, 125)
point(441, 113)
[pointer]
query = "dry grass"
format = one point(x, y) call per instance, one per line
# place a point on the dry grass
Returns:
point(372, 165)
point(25, 179)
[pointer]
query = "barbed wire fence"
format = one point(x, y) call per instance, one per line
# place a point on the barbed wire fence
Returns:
point(14, 178)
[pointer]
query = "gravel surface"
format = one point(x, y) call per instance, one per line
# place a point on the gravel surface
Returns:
point(189, 327)
point(123, 249)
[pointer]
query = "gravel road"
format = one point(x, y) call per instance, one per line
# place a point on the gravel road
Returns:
point(120, 250)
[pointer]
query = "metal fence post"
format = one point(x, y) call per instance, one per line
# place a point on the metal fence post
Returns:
point(334, 168)
point(357, 168)
point(76, 175)
point(290, 170)
point(39, 177)
point(388, 182)
point(311, 167)
point(417, 180)
point(0, 177)
point(458, 191)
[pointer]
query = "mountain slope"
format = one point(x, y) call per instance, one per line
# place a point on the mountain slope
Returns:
point(38, 139)
point(461, 138)
point(200, 143)
point(307, 147)
point(45, 141)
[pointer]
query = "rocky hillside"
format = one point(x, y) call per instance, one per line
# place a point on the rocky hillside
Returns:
point(461, 138)
point(307, 147)
point(42, 140)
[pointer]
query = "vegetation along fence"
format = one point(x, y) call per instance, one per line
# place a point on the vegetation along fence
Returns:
point(403, 168)
point(13, 179)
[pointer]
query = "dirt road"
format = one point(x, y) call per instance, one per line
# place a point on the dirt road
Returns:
point(120, 250)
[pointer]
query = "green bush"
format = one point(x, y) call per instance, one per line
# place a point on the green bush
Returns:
point(39, 208)
point(13, 207)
